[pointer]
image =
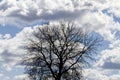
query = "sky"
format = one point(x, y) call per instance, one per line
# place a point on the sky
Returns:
point(19, 18)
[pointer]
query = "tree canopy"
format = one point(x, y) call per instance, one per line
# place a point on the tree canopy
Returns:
point(59, 52)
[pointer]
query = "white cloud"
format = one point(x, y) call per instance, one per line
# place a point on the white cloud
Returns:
point(101, 74)
point(10, 48)
point(115, 77)
point(30, 11)
point(20, 77)
point(92, 74)
point(110, 59)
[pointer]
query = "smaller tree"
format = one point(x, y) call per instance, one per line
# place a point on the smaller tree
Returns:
point(59, 52)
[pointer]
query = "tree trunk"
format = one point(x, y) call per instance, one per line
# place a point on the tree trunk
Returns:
point(58, 78)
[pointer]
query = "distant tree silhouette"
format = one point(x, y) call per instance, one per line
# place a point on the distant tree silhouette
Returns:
point(58, 52)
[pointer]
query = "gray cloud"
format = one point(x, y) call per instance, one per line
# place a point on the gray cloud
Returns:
point(31, 11)
point(41, 10)
point(4, 5)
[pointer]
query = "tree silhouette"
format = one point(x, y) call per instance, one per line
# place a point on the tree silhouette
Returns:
point(58, 52)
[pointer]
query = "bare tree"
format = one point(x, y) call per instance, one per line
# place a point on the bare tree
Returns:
point(59, 52)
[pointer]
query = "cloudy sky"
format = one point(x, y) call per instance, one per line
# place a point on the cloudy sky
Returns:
point(19, 17)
